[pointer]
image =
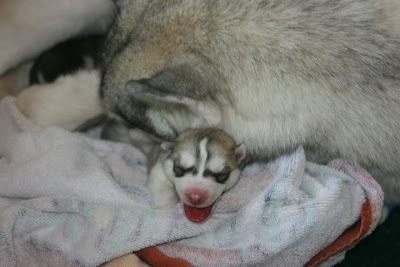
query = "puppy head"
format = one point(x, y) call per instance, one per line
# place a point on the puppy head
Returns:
point(203, 164)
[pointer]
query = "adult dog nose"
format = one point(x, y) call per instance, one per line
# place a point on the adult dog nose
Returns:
point(196, 196)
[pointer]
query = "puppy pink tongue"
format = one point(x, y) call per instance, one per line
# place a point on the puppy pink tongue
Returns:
point(197, 215)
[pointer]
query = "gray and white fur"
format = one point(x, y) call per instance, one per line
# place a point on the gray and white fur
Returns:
point(197, 168)
point(275, 74)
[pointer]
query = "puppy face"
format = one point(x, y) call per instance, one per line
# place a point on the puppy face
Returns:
point(202, 165)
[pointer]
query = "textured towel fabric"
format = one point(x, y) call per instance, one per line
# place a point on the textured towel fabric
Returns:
point(67, 199)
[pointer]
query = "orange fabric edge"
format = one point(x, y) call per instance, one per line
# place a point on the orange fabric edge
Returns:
point(156, 258)
point(349, 237)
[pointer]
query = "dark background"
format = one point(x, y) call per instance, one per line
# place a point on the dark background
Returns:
point(380, 249)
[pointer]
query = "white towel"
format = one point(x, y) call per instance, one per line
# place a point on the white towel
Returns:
point(70, 199)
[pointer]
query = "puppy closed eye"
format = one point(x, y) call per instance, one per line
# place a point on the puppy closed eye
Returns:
point(179, 171)
point(220, 177)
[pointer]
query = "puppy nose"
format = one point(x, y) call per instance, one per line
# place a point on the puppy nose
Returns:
point(196, 196)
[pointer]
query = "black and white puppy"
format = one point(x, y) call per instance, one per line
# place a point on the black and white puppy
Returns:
point(65, 82)
point(66, 58)
point(197, 169)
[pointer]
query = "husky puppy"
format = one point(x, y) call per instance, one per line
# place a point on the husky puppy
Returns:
point(275, 74)
point(66, 58)
point(197, 168)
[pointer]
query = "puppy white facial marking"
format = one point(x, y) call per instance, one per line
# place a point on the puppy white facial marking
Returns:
point(203, 155)
point(216, 165)
point(187, 160)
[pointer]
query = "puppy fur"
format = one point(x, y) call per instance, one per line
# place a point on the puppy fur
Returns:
point(66, 58)
point(197, 168)
point(272, 74)
point(69, 102)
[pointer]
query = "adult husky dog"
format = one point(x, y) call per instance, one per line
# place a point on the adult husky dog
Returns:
point(273, 74)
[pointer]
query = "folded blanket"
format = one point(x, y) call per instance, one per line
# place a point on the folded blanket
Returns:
point(67, 199)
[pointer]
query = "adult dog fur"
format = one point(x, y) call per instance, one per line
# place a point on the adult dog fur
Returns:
point(273, 74)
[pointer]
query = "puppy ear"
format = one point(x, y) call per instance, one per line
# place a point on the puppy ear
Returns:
point(141, 89)
point(168, 146)
point(240, 152)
